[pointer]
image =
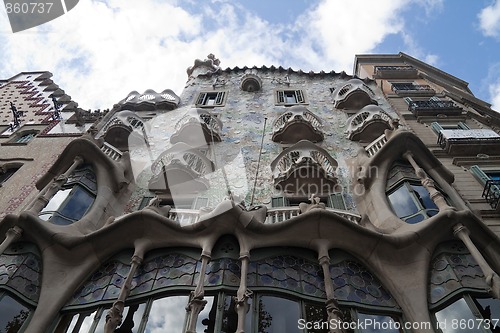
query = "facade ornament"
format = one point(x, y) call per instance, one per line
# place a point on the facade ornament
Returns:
point(315, 204)
point(332, 307)
point(285, 80)
point(219, 82)
point(17, 117)
point(209, 65)
point(197, 303)
point(492, 279)
point(243, 294)
point(11, 236)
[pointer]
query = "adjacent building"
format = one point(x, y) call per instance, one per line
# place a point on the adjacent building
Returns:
point(260, 199)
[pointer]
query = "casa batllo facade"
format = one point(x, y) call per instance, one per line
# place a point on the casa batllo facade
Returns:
point(260, 199)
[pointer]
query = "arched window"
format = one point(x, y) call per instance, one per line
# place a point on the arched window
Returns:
point(74, 199)
point(409, 199)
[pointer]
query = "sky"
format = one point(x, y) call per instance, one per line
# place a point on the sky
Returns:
point(101, 50)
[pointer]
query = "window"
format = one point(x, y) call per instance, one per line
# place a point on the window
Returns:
point(14, 316)
point(336, 201)
point(211, 99)
point(438, 127)
point(472, 314)
point(409, 199)
point(75, 198)
point(290, 97)
point(21, 138)
point(490, 180)
point(6, 172)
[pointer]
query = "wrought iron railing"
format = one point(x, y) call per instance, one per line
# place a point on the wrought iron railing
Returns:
point(431, 105)
point(411, 87)
point(465, 136)
point(491, 192)
point(393, 68)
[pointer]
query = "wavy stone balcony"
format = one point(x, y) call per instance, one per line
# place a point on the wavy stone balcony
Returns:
point(369, 123)
point(197, 128)
point(355, 94)
point(118, 129)
point(297, 123)
point(433, 108)
point(304, 169)
point(470, 141)
point(179, 171)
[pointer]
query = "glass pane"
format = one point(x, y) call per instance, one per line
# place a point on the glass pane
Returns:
point(12, 315)
point(56, 200)
point(229, 316)
point(316, 313)
point(278, 315)
point(423, 197)
point(167, 315)
point(415, 219)
point(102, 321)
point(249, 316)
point(290, 97)
point(78, 203)
point(493, 175)
point(378, 323)
point(132, 316)
point(454, 312)
point(402, 202)
point(490, 310)
point(81, 323)
point(206, 319)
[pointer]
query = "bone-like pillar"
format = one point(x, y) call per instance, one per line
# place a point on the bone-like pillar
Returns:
point(243, 293)
point(114, 316)
point(197, 303)
point(428, 184)
point(11, 236)
point(332, 307)
point(51, 189)
point(492, 278)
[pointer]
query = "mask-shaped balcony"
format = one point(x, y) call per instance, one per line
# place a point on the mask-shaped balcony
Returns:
point(433, 108)
point(179, 171)
point(355, 94)
point(118, 129)
point(469, 141)
point(369, 123)
point(197, 128)
point(296, 124)
point(305, 169)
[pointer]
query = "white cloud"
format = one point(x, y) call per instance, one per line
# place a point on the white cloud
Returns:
point(489, 20)
point(100, 51)
point(491, 84)
point(495, 96)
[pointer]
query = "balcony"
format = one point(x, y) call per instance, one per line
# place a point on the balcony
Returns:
point(298, 123)
point(491, 193)
point(180, 170)
point(410, 89)
point(118, 129)
point(395, 72)
point(469, 141)
point(280, 214)
point(433, 108)
point(111, 152)
point(376, 145)
point(355, 94)
point(369, 123)
point(197, 128)
point(304, 169)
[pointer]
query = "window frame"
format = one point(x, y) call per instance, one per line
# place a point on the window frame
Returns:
point(21, 137)
point(281, 99)
point(204, 97)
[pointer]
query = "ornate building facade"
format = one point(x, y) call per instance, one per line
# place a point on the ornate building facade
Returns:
point(260, 199)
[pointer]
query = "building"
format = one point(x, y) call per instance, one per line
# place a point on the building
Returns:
point(265, 199)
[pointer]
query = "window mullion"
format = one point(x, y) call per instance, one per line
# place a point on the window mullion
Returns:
point(145, 316)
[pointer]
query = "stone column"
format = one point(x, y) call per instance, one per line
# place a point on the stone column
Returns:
point(11, 236)
point(197, 303)
point(332, 307)
point(428, 184)
point(114, 316)
point(492, 278)
point(53, 187)
point(243, 293)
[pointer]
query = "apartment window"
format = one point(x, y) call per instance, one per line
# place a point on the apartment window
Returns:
point(211, 99)
point(438, 127)
point(6, 172)
point(74, 199)
point(484, 175)
point(409, 199)
point(290, 97)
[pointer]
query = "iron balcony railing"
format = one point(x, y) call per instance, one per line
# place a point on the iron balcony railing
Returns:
point(467, 136)
point(396, 87)
point(491, 192)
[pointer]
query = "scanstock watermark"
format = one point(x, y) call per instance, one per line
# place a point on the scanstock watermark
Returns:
point(26, 14)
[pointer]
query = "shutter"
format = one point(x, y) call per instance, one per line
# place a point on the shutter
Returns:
point(463, 126)
point(299, 96)
point(219, 100)
point(201, 99)
point(200, 202)
point(435, 99)
point(279, 202)
point(280, 96)
point(436, 127)
point(479, 174)
point(336, 201)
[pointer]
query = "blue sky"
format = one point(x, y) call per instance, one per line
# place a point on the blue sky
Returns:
point(101, 50)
